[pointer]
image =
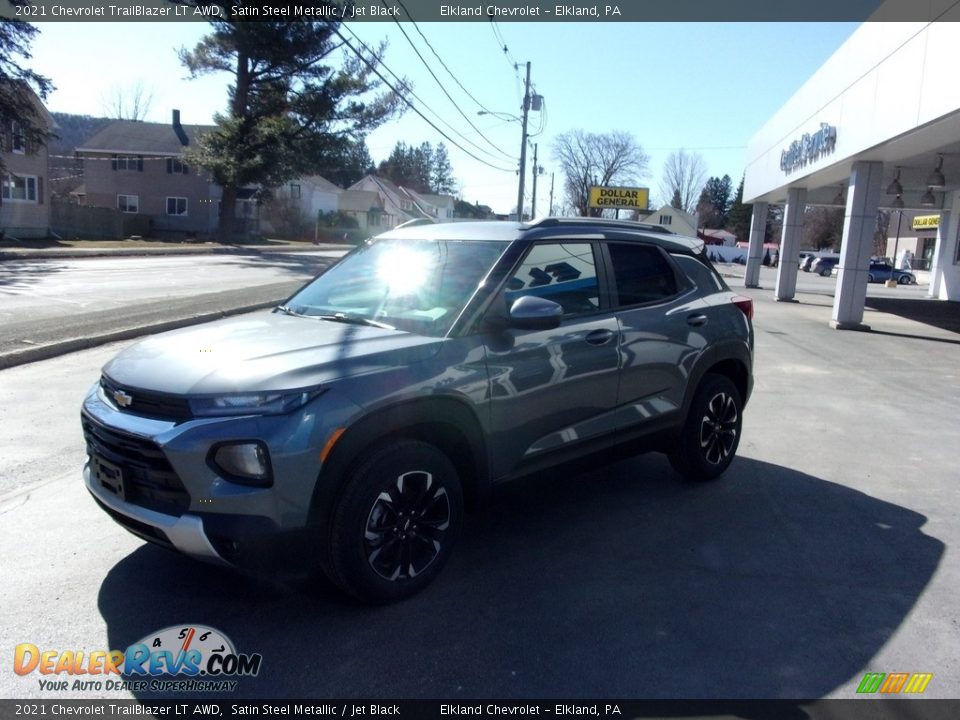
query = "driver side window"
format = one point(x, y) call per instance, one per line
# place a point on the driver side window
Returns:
point(564, 272)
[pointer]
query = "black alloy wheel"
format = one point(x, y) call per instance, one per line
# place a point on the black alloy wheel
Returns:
point(395, 522)
point(406, 526)
point(711, 433)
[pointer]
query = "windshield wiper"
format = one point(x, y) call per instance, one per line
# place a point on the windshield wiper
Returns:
point(354, 320)
point(287, 310)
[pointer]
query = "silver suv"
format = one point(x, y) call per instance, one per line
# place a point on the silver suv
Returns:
point(347, 429)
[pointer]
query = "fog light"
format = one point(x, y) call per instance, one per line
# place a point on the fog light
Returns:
point(245, 462)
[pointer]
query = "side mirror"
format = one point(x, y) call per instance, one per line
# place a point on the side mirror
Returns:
point(535, 313)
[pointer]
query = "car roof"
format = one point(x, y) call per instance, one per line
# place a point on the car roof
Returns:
point(508, 231)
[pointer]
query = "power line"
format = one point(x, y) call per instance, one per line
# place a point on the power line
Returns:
point(409, 104)
point(444, 89)
point(437, 55)
point(414, 94)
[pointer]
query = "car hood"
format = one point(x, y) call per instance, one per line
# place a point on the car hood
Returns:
point(263, 352)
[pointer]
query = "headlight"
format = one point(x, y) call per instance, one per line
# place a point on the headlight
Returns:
point(251, 403)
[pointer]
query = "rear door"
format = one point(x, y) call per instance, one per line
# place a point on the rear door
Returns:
point(662, 320)
point(551, 389)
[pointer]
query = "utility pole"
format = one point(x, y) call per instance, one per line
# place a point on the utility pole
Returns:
point(533, 194)
point(551, 194)
point(523, 144)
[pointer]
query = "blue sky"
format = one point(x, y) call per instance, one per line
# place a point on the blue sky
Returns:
point(705, 87)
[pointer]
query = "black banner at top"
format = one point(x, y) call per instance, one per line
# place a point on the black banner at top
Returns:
point(229, 709)
point(476, 11)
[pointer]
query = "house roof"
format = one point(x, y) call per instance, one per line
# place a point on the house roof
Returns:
point(145, 138)
point(318, 181)
point(359, 200)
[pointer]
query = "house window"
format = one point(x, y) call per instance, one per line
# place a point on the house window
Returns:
point(128, 203)
point(295, 191)
point(666, 219)
point(176, 206)
point(127, 162)
point(176, 166)
point(18, 142)
point(20, 188)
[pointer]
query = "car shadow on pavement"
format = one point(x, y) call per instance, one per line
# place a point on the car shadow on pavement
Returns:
point(619, 582)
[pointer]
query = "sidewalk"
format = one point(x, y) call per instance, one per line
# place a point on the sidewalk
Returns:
point(122, 248)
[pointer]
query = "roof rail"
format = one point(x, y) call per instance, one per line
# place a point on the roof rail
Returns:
point(608, 222)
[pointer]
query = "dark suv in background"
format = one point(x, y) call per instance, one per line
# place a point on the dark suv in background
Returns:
point(346, 430)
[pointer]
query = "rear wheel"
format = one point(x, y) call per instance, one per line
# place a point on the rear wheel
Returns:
point(395, 522)
point(869, 277)
point(711, 434)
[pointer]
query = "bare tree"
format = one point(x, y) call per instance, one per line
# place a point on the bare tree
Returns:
point(127, 103)
point(586, 159)
point(683, 177)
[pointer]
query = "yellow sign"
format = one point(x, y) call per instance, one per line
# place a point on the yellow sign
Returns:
point(926, 222)
point(619, 197)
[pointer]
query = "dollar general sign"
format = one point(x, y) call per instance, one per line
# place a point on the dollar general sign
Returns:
point(619, 197)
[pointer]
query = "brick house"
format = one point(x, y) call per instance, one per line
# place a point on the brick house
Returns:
point(138, 168)
point(24, 190)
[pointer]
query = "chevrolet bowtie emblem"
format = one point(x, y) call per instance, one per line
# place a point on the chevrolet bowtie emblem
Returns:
point(122, 399)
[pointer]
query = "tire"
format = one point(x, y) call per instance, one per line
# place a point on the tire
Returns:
point(711, 433)
point(903, 280)
point(825, 272)
point(869, 278)
point(395, 522)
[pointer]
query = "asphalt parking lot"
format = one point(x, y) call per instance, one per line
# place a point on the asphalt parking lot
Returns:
point(828, 550)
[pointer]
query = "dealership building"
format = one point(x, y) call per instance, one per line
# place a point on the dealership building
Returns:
point(877, 127)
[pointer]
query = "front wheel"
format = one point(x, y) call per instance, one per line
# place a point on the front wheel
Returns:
point(904, 279)
point(711, 433)
point(395, 522)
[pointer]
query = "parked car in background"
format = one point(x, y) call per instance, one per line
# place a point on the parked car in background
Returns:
point(881, 272)
point(824, 265)
point(806, 259)
point(347, 430)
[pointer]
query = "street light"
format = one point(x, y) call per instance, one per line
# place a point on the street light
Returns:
point(501, 115)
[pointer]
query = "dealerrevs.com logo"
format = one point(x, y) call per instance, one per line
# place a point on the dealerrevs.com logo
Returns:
point(180, 658)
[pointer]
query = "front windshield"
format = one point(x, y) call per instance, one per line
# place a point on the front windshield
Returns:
point(417, 286)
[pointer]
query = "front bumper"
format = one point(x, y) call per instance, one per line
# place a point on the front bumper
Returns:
point(172, 495)
point(184, 533)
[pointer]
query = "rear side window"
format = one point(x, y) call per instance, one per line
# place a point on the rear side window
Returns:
point(702, 276)
point(642, 274)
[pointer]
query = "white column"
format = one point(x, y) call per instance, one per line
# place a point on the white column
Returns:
point(758, 230)
point(949, 273)
point(859, 225)
point(790, 244)
point(940, 258)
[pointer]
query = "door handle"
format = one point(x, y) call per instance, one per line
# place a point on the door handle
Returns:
point(599, 337)
point(697, 320)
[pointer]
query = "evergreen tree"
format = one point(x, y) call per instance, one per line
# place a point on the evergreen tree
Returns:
point(740, 215)
point(292, 101)
point(442, 181)
point(18, 84)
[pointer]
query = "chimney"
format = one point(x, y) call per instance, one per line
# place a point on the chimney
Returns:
point(178, 129)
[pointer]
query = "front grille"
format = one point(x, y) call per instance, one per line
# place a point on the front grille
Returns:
point(147, 403)
point(148, 478)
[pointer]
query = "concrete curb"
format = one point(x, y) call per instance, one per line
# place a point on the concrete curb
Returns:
point(73, 253)
point(63, 347)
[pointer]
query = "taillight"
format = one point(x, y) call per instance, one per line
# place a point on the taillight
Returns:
point(745, 304)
